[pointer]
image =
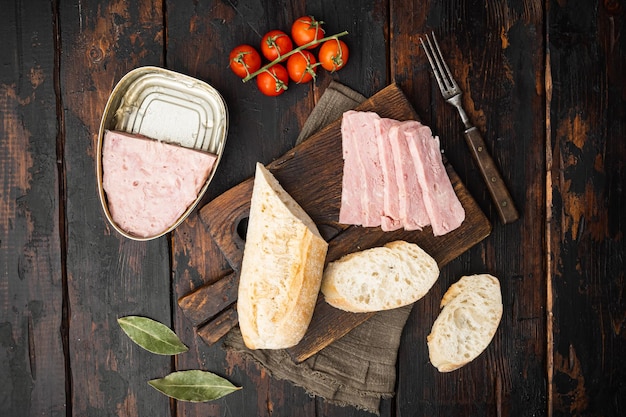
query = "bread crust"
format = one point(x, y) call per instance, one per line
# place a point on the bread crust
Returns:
point(381, 278)
point(470, 316)
point(281, 270)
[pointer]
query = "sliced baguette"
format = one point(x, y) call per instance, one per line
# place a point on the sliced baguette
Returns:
point(472, 309)
point(380, 278)
point(282, 268)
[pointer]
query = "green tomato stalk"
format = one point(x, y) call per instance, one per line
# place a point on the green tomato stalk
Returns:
point(293, 51)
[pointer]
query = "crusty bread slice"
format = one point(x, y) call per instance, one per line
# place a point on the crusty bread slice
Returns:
point(379, 278)
point(472, 309)
point(282, 268)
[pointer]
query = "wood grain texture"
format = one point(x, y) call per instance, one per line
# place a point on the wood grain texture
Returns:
point(320, 160)
point(261, 129)
point(588, 220)
point(197, 262)
point(545, 84)
point(489, 51)
point(108, 276)
point(32, 364)
point(500, 196)
point(219, 326)
point(208, 301)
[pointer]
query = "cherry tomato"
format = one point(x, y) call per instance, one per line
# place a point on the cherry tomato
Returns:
point(275, 43)
point(306, 29)
point(301, 67)
point(244, 60)
point(273, 81)
point(333, 55)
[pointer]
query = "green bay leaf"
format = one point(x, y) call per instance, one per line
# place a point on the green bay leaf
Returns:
point(194, 386)
point(152, 335)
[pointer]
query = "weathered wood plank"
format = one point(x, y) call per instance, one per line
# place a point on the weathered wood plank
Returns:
point(319, 158)
point(48, 199)
point(261, 129)
point(32, 364)
point(196, 261)
point(588, 221)
point(495, 52)
point(108, 276)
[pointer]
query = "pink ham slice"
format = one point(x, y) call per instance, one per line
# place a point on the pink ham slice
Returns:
point(391, 219)
point(394, 176)
point(363, 169)
point(412, 211)
point(442, 204)
point(373, 197)
point(150, 184)
point(351, 209)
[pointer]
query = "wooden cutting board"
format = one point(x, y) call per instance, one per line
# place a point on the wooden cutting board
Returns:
point(312, 173)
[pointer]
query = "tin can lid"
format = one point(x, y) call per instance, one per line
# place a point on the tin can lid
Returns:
point(170, 107)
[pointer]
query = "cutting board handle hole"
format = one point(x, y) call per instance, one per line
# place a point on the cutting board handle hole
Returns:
point(242, 228)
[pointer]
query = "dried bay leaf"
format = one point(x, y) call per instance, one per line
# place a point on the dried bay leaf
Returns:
point(152, 335)
point(194, 386)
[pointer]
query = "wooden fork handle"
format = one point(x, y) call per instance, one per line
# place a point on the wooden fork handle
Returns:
point(495, 184)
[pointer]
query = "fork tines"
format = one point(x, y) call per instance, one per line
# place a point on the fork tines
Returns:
point(444, 78)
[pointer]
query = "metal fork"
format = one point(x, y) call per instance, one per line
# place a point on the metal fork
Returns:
point(452, 94)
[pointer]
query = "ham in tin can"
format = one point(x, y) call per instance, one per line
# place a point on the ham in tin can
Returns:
point(161, 139)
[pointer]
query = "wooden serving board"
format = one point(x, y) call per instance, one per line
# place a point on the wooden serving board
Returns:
point(312, 174)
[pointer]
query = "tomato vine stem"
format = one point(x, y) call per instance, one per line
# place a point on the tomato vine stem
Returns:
point(293, 51)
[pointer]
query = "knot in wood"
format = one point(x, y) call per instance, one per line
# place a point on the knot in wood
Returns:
point(95, 54)
point(612, 6)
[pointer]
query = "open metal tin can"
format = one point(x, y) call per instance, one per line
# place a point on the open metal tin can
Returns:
point(169, 107)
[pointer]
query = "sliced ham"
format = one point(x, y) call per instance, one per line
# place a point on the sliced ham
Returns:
point(366, 172)
point(150, 184)
point(442, 204)
point(394, 176)
point(351, 211)
point(390, 219)
point(373, 197)
point(412, 211)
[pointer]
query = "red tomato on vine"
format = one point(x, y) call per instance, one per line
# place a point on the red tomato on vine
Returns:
point(333, 55)
point(275, 43)
point(306, 29)
point(301, 67)
point(273, 81)
point(244, 60)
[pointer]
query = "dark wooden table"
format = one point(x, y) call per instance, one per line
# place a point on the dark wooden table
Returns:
point(544, 82)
